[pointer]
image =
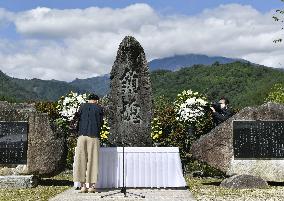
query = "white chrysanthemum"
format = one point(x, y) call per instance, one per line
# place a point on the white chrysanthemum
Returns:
point(190, 101)
point(201, 101)
point(80, 99)
point(74, 94)
point(189, 109)
point(189, 92)
point(69, 105)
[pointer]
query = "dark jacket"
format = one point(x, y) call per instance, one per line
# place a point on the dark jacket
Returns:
point(90, 117)
point(222, 115)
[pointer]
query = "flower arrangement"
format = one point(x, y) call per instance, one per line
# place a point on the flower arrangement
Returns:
point(105, 131)
point(189, 106)
point(157, 131)
point(69, 105)
point(188, 111)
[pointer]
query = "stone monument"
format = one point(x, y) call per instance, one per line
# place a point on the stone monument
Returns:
point(29, 142)
point(130, 98)
point(217, 148)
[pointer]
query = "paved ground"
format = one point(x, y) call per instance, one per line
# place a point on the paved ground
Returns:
point(150, 195)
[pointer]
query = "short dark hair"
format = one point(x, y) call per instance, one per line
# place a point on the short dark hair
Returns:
point(93, 97)
point(226, 100)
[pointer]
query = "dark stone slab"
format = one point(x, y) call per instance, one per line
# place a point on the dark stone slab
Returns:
point(13, 142)
point(130, 98)
point(244, 182)
point(258, 139)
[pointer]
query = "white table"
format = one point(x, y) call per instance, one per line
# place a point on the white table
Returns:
point(144, 167)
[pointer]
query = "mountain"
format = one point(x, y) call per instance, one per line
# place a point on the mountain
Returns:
point(50, 90)
point(12, 92)
point(244, 84)
point(98, 85)
point(178, 61)
point(18, 90)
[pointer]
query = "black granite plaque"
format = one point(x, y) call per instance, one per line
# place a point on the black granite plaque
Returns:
point(13, 142)
point(258, 139)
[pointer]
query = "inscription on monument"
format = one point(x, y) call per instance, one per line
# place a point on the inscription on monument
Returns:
point(129, 85)
point(258, 139)
point(13, 142)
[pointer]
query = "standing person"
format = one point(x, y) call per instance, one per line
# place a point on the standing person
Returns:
point(221, 111)
point(86, 168)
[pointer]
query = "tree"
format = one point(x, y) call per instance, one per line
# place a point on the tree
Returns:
point(278, 18)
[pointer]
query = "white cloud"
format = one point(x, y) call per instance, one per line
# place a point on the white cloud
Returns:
point(65, 44)
point(76, 22)
point(5, 17)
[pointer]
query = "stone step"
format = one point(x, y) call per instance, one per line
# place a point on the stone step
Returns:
point(18, 181)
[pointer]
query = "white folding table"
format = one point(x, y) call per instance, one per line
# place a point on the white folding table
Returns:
point(157, 167)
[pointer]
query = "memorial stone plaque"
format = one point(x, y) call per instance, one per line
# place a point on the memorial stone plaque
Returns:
point(258, 139)
point(13, 142)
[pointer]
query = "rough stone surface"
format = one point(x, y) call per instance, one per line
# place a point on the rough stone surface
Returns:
point(16, 181)
point(46, 146)
point(216, 147)
point(14, 170)
point(243, 182)
point(46, 152)
point(130, 98)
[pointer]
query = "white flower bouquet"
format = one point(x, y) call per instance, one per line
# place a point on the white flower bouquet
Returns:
point(69, 105)
point(190, 106)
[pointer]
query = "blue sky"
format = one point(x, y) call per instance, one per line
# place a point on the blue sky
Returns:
point(187, 7)
point(68, 39)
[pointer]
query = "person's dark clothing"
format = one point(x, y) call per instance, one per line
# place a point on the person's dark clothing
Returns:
point(90, 119)
point(222, 115)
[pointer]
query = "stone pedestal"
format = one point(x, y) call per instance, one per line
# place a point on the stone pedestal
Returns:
point(17, 181)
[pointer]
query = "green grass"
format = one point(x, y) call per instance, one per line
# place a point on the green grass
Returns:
point(48, 187)
point(208, 189)
point(202, 189)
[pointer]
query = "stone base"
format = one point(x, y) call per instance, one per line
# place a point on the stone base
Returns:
point(244, 182)
point(269, 170)
point(13, 170)
point(17, 181)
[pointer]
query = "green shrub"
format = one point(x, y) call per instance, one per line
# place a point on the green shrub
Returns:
point(71, 144)
point(205, 169)
point(276, 95)
point(49, 108)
